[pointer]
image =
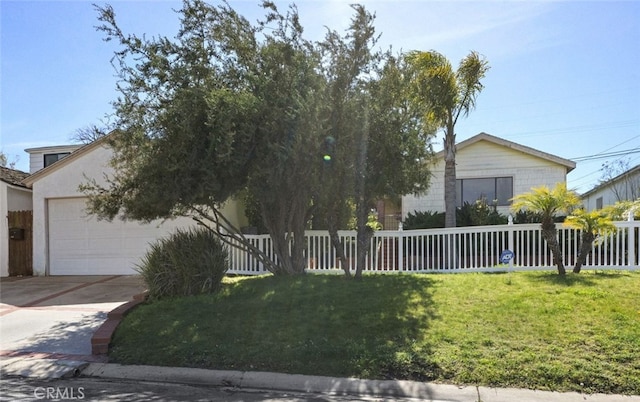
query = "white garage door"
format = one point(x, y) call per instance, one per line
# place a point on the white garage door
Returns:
point(81, 245)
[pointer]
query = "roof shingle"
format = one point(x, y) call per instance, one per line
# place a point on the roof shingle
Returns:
point(13, 176)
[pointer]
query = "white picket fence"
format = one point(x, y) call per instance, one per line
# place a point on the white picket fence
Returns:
point(467, 249)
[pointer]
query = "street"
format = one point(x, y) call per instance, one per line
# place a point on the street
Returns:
point(95, 389)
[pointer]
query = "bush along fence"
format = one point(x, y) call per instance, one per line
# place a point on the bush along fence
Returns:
point(463, 249)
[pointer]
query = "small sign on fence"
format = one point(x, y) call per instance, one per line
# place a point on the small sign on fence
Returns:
point(506, 256)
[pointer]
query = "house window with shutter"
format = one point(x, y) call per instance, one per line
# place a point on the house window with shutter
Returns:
point(599, 203)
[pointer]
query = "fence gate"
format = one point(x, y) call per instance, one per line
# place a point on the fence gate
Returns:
point(20, 243)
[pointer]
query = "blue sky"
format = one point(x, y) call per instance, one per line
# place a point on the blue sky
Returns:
point(564, 77)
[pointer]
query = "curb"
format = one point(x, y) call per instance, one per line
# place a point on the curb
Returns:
point(337, 386)
point(279, 382)
point(102, 337)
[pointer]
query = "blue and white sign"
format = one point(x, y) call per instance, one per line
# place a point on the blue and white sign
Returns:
point(506, 256)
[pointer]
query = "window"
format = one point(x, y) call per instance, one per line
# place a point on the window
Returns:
point(494, 189)
point(51, 158)
point(599, 203)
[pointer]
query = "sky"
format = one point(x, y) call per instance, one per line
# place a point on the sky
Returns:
point(564, 76)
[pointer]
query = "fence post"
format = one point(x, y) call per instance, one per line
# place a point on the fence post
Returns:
point(631, 246)
point(510, 242)
point(400, 248)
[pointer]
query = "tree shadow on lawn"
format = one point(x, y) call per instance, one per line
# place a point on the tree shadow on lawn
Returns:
point(585, 278)
point(372, 328)
point(313, 324)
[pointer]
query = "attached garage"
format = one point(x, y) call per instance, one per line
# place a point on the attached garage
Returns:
point(68, 241)
point(82, 245)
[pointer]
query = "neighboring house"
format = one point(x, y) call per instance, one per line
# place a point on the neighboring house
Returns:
point(624, 187)
point(68, 241)
point(40, 158)
point(491, 168)
point(14, 196)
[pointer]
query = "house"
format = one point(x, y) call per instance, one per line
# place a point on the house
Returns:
point(14, 196)
point(623, 187)
point(67, 240)
point(491, 168)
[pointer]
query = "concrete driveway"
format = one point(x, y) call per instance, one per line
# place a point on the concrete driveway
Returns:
point(55, 316)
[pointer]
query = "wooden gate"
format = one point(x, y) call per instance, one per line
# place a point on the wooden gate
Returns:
point(20, 243)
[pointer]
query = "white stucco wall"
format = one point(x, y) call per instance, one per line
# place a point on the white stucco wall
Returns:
point(19, 199)
point(63, 183)
point(485, 160)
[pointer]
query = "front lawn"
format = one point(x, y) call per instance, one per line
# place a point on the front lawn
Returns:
point(531, 330)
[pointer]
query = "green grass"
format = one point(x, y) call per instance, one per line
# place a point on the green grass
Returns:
point(532, 330)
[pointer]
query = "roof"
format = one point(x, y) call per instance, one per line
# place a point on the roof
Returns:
point(54, 148)
point(12, 176)
point(607, 183)
point(569, 164)
point(82, 150)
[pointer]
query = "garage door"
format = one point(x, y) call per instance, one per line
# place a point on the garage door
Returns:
point(82, 245)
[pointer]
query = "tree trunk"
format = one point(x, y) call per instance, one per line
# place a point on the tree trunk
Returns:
point(362, 207)
point(232, 236)
point(549, 233)
point(286, 225)
point(450, 177)
point(450, 194)
point(585, 249)
point(364, 240)
point(338, 246)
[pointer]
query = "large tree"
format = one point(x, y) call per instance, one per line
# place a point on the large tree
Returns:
point(225, 106)
point(377, 145)
point(447, 96)
point(229, 107)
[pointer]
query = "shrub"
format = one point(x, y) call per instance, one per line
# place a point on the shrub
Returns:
point(479, 213)
point(476, 214)
point(423, 220)
point(186, 263)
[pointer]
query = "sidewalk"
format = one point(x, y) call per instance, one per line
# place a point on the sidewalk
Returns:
point(41, 368)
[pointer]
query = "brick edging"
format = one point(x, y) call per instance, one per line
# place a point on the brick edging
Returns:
point(102, 337)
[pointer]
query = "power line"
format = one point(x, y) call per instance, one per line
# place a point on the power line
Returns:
point(606, 155)
point(579, 129)
point(623, 142)
point(576, 181)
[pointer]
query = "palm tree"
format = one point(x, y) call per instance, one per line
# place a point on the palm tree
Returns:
point(593, 226)
point(548, 203)
point(447, 95)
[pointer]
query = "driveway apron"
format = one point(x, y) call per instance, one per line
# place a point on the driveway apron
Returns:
point(54, 317)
